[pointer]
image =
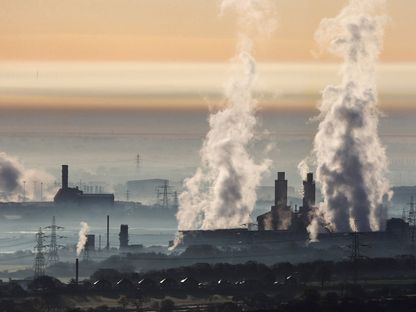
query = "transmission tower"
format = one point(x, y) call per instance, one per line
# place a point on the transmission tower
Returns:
point(53, 256)
point(404, 217)
point(412, 219)
point(175, 199)
point(40, 261)
point(24, 191)
point(355, 253)
point(163, 194)
point(138, 161)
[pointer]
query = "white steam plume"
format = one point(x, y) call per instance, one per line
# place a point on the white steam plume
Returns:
point(82, 240)
point(222, 193)
point(351, 161)
point(17, 182)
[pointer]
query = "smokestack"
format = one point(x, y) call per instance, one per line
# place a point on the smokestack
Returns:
point(280, 191)
point(309, 177)
point(76, 271)
point(64, 176)
point(124, 236)
point(309, 192)
point(309, 197)
point(108, 233)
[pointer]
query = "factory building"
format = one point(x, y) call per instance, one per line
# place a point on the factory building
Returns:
point(281, 216)
point(282, 225)
point(73, 195)
point(125, 246)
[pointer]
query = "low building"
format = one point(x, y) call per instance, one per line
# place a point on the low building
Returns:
point(73, 195)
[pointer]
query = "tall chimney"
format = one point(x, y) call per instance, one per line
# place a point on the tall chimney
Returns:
point(64, 176)
point(108, 233)
point(76, 271)
point(309, 196)
point(280, 196)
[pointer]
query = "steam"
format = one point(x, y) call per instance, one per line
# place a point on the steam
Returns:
point(82, 240)
point(17, 182)
point(351, 161)
point(222, 192)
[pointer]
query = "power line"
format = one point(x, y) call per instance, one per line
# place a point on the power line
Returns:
point(356, 253)
point(53, 256)
point(39, 265)
point(412, 220)
point(163, 193)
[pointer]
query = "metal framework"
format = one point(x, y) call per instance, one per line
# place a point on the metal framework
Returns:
point(40, 261)
point(53, 256)
point(163, 193)
point(356, 253)
point(412, 219)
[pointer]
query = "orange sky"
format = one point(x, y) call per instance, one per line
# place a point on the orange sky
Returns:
point(171, 30)
point(148, 36)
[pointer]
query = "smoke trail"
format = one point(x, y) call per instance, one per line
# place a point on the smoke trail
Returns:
point(351, 161)
point(82, 240)
point(222, 193)
point(17, 182)
point(10, 175)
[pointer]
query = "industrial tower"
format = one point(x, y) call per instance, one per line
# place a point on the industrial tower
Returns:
point(412, 219)
point(53, 256)
point(163, 194)
point(39, 265)
point(356, 253)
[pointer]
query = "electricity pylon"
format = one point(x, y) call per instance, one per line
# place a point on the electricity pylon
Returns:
point(355, 253)
point(39, 265)
point(163, 193)
point(412, 220)
point(53, 256)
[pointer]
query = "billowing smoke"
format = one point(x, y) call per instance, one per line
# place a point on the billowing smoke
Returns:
point(18, 183)
point(351, 161)
point(222, 193)
point(82, 240)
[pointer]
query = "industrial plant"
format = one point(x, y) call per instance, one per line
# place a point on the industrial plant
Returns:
point(73, 195)
point(284, 224)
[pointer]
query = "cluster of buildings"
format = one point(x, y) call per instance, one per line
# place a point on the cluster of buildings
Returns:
point(283, 224)
point(281, 216)
point(73, 195)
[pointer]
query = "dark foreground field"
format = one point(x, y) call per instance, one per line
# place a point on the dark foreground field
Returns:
point(387, 284)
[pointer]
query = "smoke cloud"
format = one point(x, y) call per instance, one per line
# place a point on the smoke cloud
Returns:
point(82, 240)
point(18, 183)
point(222, 192)
point(351, 161)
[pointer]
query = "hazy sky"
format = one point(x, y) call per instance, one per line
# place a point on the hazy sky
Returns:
point(173, 30)
point(158, 53)
point(174, 54)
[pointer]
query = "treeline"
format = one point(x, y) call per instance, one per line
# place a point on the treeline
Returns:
point(399, 267)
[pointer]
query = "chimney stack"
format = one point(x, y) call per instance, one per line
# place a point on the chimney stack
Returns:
point(124, 236)
point(64, 176)
point(280, 196)
point(309, 193)
point(76, 271)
